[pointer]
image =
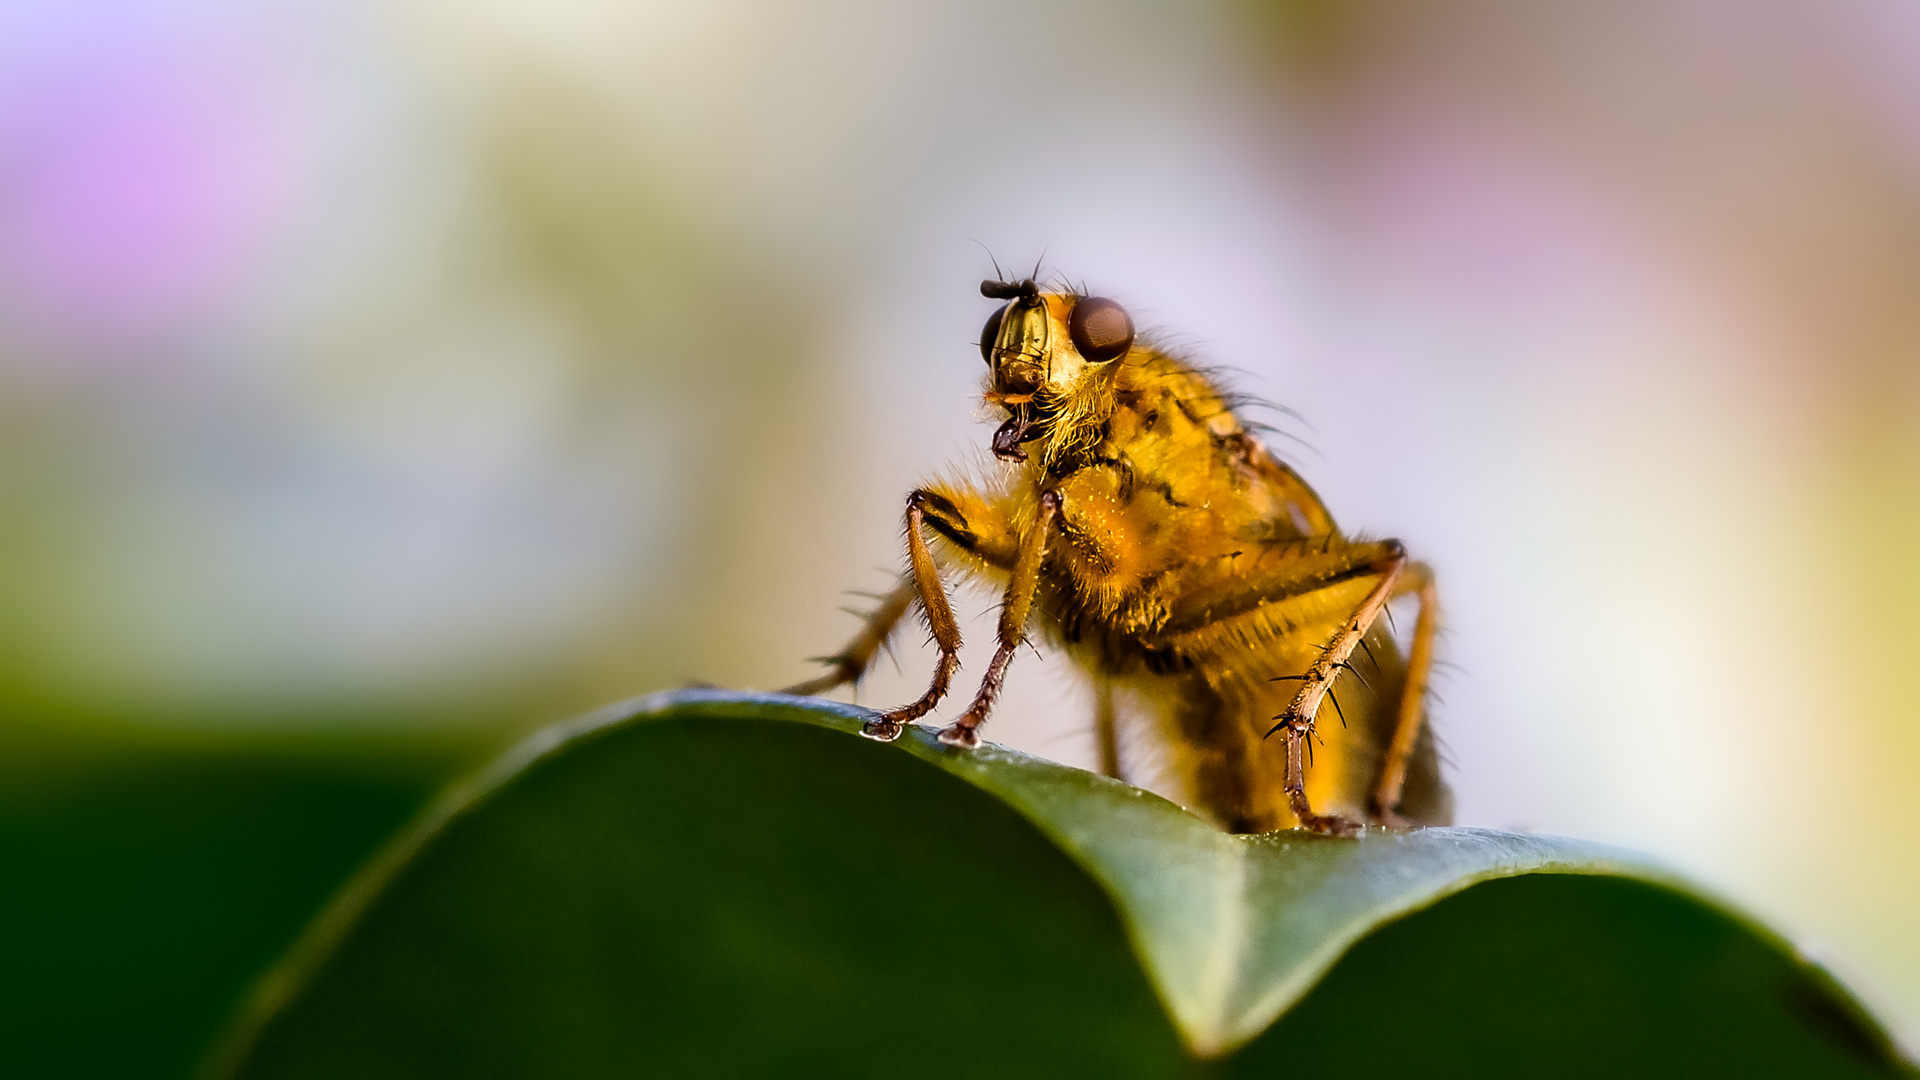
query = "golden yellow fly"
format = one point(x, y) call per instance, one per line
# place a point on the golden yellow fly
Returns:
point(1198, 581)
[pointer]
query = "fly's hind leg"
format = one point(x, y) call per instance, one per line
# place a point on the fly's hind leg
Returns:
point(1297, 719)
point(1255, 603)
point(1411, 713)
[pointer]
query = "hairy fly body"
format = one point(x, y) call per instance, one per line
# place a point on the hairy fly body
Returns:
point(1137, 525)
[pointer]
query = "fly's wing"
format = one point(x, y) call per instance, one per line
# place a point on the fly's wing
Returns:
point(1294, 510)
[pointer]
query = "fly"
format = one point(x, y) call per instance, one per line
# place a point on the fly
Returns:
point(1135, 523)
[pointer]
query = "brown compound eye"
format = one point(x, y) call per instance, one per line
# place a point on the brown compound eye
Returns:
point(1101, 329)
point(990, 333)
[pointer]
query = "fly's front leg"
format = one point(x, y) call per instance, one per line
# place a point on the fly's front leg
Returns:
point(946, 630)
point(975, 523)
point(1297, 719)
point(1013, 624)
point(1411, 714)
point(851, 663)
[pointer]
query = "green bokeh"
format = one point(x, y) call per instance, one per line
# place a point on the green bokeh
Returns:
point(145, 889)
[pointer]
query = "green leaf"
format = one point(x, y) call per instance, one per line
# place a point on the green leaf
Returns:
point(719, 884)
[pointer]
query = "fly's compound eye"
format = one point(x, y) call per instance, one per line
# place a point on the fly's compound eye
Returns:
point(1101, 329)
point(991, 333)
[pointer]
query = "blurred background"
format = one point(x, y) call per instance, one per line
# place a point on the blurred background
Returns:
point(378, 381)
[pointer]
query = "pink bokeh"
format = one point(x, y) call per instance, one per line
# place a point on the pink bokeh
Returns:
point(142, 168)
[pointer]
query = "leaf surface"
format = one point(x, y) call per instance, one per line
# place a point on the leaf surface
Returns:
point(732, 884)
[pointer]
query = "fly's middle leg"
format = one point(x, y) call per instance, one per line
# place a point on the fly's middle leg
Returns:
point(1105, 730)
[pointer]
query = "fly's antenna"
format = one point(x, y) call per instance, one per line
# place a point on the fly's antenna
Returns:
point(1008, 290)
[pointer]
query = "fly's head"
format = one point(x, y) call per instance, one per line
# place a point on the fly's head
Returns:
point(1051, 360)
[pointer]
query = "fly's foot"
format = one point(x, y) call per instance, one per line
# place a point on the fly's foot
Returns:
point(1299, 732)
point(961, 733)
point(883, 728)
point(1328, 824)
point(1391, 819)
